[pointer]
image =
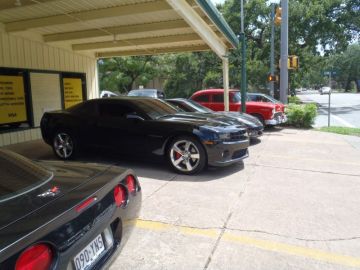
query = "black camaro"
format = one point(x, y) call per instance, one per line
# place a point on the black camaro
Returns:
point(56, 215)
point(254, 126)
point(146, 126)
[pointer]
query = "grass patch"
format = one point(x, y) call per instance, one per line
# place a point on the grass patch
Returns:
point(342, 130)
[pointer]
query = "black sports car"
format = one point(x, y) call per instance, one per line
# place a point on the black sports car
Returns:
point(254, 126)
point(147, 127)
point(57, 215)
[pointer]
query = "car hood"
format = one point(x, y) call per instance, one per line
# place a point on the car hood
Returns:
point(66, 177)
point(203, 119)
point(244, 118)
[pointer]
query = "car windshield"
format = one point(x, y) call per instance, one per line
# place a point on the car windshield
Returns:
point(142, 93)
point(198, 107)
point(155, 108)
point(19, 175)
point(271, 98)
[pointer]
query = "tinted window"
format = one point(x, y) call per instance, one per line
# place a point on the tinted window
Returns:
point(155, 108)
point(179, 105)
point(114, 110)
point(198, 107)
point(202, 98)
point(218, 98)
point(19, 175)
point(86, 108)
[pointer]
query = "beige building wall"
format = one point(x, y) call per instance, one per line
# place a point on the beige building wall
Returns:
point(19, 52)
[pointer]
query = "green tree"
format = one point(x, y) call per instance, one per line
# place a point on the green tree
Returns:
point(347, 67)
point(119, 74)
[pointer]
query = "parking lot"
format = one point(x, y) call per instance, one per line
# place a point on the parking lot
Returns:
point(293, 204)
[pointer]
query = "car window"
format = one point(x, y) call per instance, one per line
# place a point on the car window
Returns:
point(155, 108)
point(19, 175)
point(218, 98)
point(114, 110)
point(202, 98)
point(197, 107)
point(84, 108)
point(235, 97)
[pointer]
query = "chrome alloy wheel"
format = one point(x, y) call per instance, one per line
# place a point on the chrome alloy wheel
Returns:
point(184, 155)
point(63, 145)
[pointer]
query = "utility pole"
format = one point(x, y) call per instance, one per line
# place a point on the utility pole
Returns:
point(272, 50)
point(284, 79)
point(243, 59)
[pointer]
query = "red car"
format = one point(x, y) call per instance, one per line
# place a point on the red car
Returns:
point(267, 112)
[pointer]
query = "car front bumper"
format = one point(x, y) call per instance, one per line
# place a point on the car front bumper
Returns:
point(277, 120)
point(255, 132)
point(227, 153)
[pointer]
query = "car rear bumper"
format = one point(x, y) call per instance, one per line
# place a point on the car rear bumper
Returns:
point(227, 153)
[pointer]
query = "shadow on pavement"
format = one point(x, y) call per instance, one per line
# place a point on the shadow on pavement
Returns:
point(156, 168)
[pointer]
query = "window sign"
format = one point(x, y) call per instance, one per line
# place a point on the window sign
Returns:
point(12, 100)
point(73, 91)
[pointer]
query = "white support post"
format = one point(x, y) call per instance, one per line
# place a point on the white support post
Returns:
point(225, 61)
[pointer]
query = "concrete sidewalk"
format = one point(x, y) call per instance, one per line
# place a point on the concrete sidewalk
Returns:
point(294, 204)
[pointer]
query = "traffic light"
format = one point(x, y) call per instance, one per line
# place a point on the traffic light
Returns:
point(293, 62)
point(277, 19)
point(271, 78)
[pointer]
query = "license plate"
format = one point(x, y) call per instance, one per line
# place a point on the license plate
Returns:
point(89, 254)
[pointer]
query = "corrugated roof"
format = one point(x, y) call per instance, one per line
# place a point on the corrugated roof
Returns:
point(145, 26)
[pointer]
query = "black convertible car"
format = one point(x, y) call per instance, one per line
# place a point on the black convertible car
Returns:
point(56, 215)
point(146, 127)
point(254, 126)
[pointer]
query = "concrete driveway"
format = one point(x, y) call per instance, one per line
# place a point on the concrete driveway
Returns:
point(294, 204)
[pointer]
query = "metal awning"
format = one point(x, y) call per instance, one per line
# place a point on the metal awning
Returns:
point(109, 28)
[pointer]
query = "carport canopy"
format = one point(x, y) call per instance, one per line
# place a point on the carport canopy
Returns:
point(111, 28)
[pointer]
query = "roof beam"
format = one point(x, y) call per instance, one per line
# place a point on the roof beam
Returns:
point(196, 48)
point(168, 40)
point(118, 30)
point(199, 26)
point(8, 4)
point(88, 15)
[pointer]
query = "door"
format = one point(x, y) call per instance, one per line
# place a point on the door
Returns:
point(120, 129)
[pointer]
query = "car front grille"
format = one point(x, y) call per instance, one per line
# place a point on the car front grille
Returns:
point(237, 136)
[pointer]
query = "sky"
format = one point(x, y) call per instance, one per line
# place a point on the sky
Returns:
point(217, 1)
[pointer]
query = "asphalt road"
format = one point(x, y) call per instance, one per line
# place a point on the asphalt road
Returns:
point(345, 109)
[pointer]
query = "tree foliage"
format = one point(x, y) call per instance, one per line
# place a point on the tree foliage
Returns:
point(119, 74)
point(319, 30)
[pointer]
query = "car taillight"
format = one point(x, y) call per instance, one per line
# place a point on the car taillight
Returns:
point(119, 195)
point(131, 183)
point(37, 257)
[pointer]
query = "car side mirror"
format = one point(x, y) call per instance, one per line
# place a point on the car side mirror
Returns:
point(134, 117)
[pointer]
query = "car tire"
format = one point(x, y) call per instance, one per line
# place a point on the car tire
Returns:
point(186, 155)
point(64, 145)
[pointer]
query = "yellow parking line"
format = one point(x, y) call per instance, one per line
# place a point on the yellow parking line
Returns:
point(310, 253)
point(267, 245)
point(313, 159)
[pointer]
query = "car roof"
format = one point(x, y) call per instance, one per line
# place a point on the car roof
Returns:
point(152, 90)
point(216, 90)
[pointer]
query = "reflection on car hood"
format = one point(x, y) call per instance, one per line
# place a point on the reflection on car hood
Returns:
point(244, 118)
point(203, 119)
point(66, 177)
